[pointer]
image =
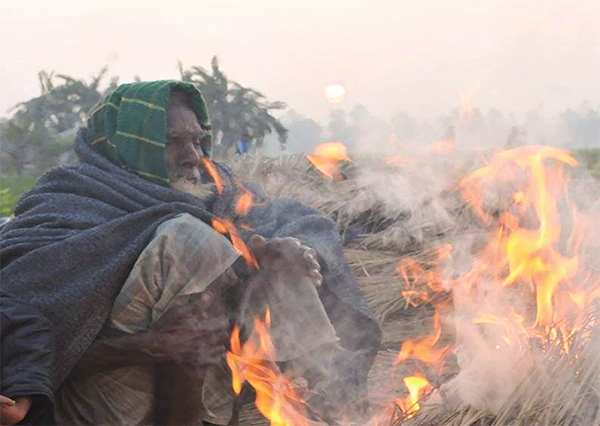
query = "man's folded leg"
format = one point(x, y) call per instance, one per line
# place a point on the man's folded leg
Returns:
point(182, 261)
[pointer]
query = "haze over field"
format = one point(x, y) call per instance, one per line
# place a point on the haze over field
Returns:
point(431, 131)
point(391, 56)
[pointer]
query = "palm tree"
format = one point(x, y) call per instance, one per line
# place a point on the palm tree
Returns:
point(16, 150)
point(35, 135)
point(235, 109)
point(62, 106)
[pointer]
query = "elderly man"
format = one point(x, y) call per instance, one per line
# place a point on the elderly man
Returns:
point(121, 253)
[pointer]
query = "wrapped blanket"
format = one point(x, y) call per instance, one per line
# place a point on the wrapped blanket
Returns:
point(77, 234)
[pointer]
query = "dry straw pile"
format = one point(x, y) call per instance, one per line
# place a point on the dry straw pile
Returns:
point(386, 213)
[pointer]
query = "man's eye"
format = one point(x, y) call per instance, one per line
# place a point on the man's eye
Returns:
point(197, 142)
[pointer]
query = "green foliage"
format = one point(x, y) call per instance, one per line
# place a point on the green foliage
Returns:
point(13, 186)
point(235, 109)
point(63, 102)
point(7, 202)
point(589, 158)
point(40, 133)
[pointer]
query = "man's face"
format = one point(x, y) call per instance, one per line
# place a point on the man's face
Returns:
point(183, 150)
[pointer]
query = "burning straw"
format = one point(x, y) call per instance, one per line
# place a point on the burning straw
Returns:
point(557, 389)
point(485, 286)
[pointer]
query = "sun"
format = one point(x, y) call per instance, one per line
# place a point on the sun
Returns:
point(334, 93)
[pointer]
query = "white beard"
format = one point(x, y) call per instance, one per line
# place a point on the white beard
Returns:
point(201, 190)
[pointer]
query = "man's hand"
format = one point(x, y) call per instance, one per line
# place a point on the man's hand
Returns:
point(287, 254)
point(13, 411)
point(197, 332)
point(4, 401)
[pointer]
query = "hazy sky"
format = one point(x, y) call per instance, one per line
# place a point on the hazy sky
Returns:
point(412, 55)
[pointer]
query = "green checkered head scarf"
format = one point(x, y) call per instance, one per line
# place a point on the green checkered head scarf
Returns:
point(129, 126)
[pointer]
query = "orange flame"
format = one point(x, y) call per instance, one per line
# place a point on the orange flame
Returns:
point(530, 254)
point(443, 146)
point(254, 362)
point(519, 197)
point(513, 327)
point(422, 349)
point(226, 227)
point(212, 171)
point(417, 387)
point(243, 204)
point(422, 279)
point(327, 158)
point(422, 276)
point(396, 160)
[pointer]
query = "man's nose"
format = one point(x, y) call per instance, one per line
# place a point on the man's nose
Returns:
point(190, 158)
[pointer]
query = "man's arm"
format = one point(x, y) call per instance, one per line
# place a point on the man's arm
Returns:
point(109, 353)
point(195, 332)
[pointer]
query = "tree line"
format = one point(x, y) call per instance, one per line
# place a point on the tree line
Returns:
point(40, 132)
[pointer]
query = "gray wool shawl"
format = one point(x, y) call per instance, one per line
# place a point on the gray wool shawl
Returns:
point(77, 234)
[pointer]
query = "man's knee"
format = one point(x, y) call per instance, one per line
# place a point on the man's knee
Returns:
point(184, 235)
point(191, 252)
point(184, 258)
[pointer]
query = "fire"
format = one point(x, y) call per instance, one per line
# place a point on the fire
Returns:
point(530, 254)
point(396, 160)
point(327, 158)
point(226, 227)
point(219, 226)
point(526, 283)
point(443, 146)
point(425, 284)
point(422, 278)
point(422, 349)
point(254, 362)
point(514, 330)
point(417, 387)
point(243, 204)
point(212, 171)
point(519, 197)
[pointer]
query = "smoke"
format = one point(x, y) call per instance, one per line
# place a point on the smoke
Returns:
point(365, 133)
point(495, 348)
point(402, 208)
point(494, 351)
